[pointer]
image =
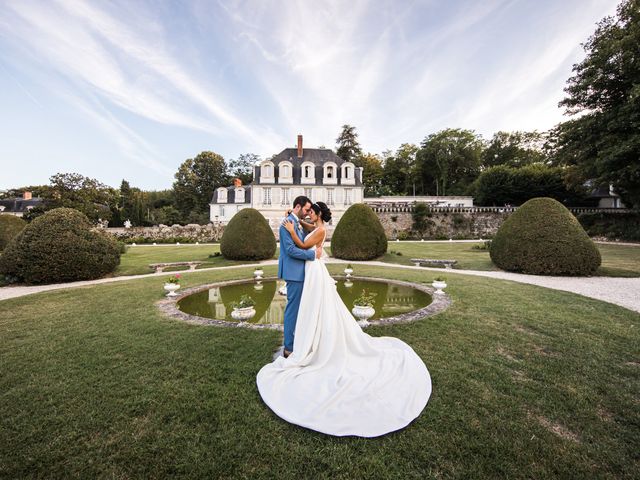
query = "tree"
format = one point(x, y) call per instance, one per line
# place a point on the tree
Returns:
point(196, 180)
point(604, 142)
point(514, 149)
point(502, 185)
point(242, 167)
point(372, 174)
point(85, 194)
point(449, 161)
point(347, 144)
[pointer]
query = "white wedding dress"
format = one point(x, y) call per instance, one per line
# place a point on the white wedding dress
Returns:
point(339, 380)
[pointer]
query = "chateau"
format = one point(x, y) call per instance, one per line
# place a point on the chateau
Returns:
point(317, 173)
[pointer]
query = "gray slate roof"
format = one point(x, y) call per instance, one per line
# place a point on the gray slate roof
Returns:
point(19, 204)
point(231, 195)
point(317, 156)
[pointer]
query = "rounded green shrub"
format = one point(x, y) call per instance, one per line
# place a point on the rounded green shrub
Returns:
point(60, 246)
point(10, 226)
point(543, 238)
point(248, 236)
point(359, 235)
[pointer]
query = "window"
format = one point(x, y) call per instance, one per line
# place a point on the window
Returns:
point(307, 171)
point(307, 192)
point(285, 171)
point(267, 170)
point(285, 199)
point(266, 196)
point(347, 196)
point(329, 195)
point(239, 195)
point(329, 172)
point(222, 195)
point(346, 172)
point(222, 212)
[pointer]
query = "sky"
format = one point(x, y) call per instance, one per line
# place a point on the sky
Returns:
point(130, 89)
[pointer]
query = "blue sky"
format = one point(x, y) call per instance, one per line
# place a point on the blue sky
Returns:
point(130, 89)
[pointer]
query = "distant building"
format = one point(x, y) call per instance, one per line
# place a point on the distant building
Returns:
point(19, 205)
point(317, 173)
point(607, 197)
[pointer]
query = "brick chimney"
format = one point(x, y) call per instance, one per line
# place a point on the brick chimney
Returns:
point(26, 196)
point(237, 182)
point(299, 146)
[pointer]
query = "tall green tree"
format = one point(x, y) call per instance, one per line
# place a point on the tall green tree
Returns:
point(373, 174)
point(514, 149)
point(604, 142)
point(347, 146)
point(449, 161)
point(196, 180)
point(88, 195)
point(242, 167)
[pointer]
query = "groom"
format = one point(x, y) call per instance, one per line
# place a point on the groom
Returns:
point(291, 267)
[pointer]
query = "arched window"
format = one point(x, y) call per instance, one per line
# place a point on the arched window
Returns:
point(285, 171)
point(239, 195)
point(222, 195)
point(267, 171)
point(347, 171)
point(329, 172)
point(307, 171)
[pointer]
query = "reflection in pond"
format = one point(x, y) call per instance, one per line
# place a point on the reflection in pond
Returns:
point(216, 302)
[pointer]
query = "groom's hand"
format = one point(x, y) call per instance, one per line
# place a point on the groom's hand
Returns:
point(318, 252)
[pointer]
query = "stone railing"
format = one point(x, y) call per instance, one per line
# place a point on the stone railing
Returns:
point(408, 208)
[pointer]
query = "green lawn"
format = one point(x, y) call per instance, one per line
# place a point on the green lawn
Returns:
point(617, 260)
point(527, 383)
point(137, 259)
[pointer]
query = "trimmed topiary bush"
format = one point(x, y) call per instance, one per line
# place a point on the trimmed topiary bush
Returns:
point(543, 238)
point(60, 246)
point(10, 226)
point(359, 235)
point(248, 236)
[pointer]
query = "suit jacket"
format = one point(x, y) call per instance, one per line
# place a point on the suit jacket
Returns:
point(292, 258)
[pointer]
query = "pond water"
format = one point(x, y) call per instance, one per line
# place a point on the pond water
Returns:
point(391, 299)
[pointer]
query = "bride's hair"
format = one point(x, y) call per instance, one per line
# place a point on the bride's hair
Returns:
point(322, 210)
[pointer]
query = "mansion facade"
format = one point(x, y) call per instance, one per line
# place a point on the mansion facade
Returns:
point(317, 173)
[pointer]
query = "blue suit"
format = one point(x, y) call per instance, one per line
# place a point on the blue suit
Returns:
point(291, 269)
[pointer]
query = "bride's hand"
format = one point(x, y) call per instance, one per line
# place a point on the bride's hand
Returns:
point(288, 224)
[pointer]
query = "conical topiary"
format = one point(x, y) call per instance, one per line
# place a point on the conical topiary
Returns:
point(60, 246)
point(359, 235)
point(248, 236)
point(10, 226)
point(542, 237)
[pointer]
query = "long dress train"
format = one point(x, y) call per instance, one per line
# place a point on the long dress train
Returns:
point(340, 380)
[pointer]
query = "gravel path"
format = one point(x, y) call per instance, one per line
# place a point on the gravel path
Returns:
point(624, 292)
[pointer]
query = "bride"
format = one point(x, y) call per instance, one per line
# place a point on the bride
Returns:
point(340, 380)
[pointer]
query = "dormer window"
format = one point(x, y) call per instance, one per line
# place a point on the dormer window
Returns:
point(285, 172)
point(239, 195)
point(330, 176)
point(348, 173)
point(308, 170)
point(267, 172)
point(222, 195)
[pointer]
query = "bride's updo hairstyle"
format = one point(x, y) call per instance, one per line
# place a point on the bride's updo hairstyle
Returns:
point(322, 211)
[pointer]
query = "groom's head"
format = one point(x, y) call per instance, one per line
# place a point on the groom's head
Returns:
point(301, 206)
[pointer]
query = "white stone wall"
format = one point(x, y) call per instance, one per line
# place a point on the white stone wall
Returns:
point(222, 212)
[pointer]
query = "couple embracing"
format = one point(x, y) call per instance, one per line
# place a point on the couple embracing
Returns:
point(333, 377)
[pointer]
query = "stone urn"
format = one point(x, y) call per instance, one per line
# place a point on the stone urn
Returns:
point(258, 273)
point(363, 312)
point(348, 271)
point(242, 314)
point(171, 288)
point(439, 285)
